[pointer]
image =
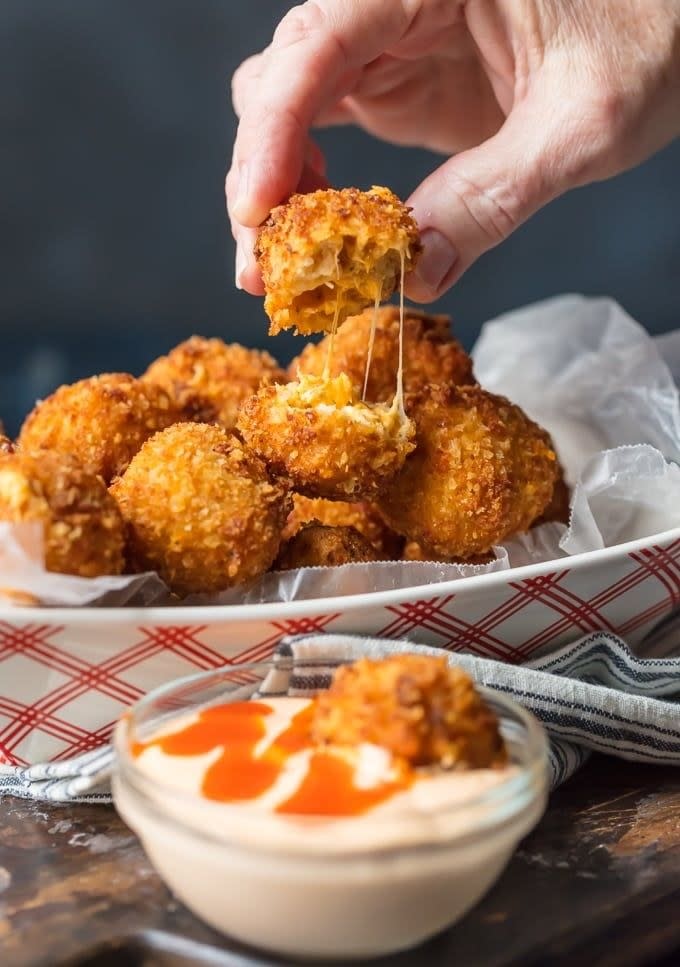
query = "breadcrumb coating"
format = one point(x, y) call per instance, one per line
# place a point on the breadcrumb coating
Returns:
point(481, 471)
point(328, 254)
point(431, 354)
point(83, 531)
point(208, 379)
point(200, 509)
point(103, 421)
point(361, 515)
point(317, 433)
point(316, 545)
point(413, 551)
point(559, 508)
point(421, 709)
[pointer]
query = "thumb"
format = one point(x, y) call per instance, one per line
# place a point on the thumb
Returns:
point(477, 198)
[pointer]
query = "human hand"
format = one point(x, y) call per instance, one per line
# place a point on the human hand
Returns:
point(530, 97)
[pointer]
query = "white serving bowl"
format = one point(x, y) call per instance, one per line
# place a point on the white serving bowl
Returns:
point(311, 897)
point(66, 674)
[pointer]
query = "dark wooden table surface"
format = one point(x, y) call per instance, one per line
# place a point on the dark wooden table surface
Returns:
point(597, 884)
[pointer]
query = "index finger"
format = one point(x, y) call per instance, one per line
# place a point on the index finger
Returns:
point(309, 65)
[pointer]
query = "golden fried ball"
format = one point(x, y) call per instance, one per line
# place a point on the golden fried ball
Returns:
point(208, 379)
point(431, 354)
point(333, 249)
point(481, 471)
point(83, 531)
point(361, 515)
point(559, 508)
point(316, 545)
point(319, 435)
point(103, 421)
point(421, 709)
point(200, 509)
point(413, 551)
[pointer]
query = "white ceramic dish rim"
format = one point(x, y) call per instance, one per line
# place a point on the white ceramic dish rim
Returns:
point(200, 614)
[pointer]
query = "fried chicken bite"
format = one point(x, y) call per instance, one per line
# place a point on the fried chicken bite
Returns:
point(431, 354)
point(559, 508)
point(200, 509)
point(208, 379)
point(481, 471)
point(413, 551)
point(328, 254)
point(317, 433)
point(421, 709)
point(83, 531)
point(317, 545)
point(361, 515)
point(103, 421)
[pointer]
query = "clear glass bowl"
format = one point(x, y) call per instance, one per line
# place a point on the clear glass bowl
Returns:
point(314, 886)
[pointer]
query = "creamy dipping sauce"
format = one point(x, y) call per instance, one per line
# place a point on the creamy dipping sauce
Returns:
point(254, 762)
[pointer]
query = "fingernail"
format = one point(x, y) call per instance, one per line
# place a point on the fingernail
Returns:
point(241, 189)
point(437, 261)
point(240, 265)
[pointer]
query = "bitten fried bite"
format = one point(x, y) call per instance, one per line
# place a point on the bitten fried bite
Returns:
point(424, 711)
point(431, 354)
point(329, 444)
point(200, 509)
point(328, 254)
point(316, 545)
point(208, 380)
point(361, 515)
point(481, 471)
point(103, 421)
point(83, 531)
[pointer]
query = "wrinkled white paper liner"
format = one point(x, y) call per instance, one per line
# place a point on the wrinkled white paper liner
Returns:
point(580, 367)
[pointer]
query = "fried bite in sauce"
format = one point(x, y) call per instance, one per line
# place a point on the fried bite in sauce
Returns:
point(316, 545)
point(83, 531)
point(481, 471)
point(328, 254)
point(424, 711)
point(431, 354)
point(103, 421)
point(200, 509)
point(317, 433)
point(361, 515)
point(208, 379)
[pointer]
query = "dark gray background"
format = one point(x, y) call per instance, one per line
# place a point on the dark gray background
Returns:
point(115, 129)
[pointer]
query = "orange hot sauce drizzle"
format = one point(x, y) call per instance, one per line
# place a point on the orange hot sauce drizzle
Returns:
point(327, 788)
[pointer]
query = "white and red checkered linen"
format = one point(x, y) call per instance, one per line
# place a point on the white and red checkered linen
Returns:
point(66, 676)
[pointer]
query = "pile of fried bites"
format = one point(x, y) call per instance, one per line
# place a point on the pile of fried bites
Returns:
point(217, 465)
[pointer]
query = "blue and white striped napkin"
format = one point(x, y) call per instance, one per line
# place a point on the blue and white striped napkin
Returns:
point(593, 694)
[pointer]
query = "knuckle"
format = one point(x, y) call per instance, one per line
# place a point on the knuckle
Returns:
point(596, 142)
point(497, 212)
point(611, 111)
point(299, 24)
point(310, 22)
point(607, 109)
point(242, 81)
